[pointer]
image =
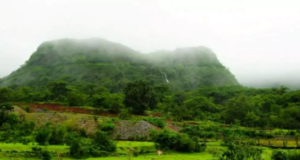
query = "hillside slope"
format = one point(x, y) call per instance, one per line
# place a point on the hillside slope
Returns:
point(112, 65)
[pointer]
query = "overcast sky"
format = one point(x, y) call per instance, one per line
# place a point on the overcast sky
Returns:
point(255, 39)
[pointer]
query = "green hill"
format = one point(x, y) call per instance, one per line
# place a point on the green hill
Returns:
point(112, 65)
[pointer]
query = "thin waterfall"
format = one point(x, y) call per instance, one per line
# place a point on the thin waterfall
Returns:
point(166, 78)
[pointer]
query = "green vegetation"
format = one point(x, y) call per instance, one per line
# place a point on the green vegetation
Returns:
point(92, 63)
point(73, 98)
point(159, 122)
point(167, 140)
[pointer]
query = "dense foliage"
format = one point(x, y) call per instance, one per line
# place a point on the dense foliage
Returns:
point(168, 140)
point(159, 122)
point(267, 108)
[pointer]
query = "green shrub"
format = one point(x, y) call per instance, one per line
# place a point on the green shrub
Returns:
point(25, 141)
point(77, 150)
point(207, 134)
point(70, 137)
point(124, 114)
point(109, 126)
point(57, 135)
point(45, 155)
point(279, 155)
point(27, 109)
point(293, 155)
point(159, 122)
point(95, 118)
point(82, 132)
point(168, 140)
point(103, 142)
point(43, 135)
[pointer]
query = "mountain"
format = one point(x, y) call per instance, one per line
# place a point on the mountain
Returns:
point(112, 65)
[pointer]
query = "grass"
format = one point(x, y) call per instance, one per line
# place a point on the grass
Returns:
point(124, 144)
point(21, 147)
point(175, 156)
point(134, 144)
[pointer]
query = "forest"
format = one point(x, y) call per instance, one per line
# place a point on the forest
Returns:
point(236, 107)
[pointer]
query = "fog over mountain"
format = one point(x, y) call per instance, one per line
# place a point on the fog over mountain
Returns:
point(256, 40)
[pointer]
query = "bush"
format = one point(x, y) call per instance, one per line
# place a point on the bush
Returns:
point(70, 137)
point(25, 141)
point(77, 150)
point(293, 155)
point(82, 132)
point(156, 121)
point(207, 134)
point(109, 126)
point(103, 142)
point(279, 155)
point(46, 155)
point(191, 130)
point(168, 140)
point(124, 115)
point(95, 118)
point(43, 135)
point(27, 109)
point(57, 135)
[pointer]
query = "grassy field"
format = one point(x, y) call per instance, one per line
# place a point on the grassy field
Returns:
point(124, 144)
point(63, 148)
point(21, 147)
point(174, 156)
point(134, 144)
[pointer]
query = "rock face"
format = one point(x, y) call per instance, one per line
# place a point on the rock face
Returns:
point(112, 65)
point(126, 130)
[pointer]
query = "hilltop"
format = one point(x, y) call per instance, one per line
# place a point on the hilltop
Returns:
point(113, 65)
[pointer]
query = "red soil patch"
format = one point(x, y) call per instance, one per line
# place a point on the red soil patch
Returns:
point(61, 108)
point(172, 127)
point(155, 115)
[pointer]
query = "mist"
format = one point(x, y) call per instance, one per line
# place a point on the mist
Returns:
point(256, 40)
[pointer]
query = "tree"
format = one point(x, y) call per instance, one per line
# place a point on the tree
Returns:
point(140, 96)
point(5, 95)
point(115, 104)
point(58, 90)
point(251, 119)
point(24, 94)
point(281, 90)
point(5, 116)
point(77, 150)
point(237, 108)
point(100, 100)
point(43, 135)
point(200, 106)
point(57, 135)
point(103, 142)
point(75, 97)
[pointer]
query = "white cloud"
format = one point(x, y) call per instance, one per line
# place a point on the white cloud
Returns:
point(256, 39)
